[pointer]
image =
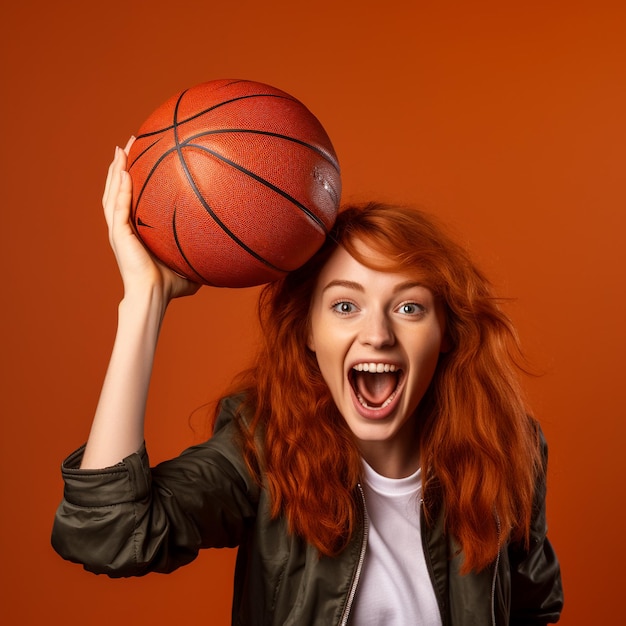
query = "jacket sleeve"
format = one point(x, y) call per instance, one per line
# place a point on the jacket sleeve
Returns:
point(536, 588)
point(128, 520)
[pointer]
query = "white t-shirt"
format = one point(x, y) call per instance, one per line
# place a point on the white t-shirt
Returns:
point(395, 588)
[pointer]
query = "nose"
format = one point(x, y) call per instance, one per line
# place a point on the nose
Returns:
point(376, 331)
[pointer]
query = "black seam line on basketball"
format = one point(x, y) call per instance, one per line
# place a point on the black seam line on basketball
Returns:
point(205, 204)
point(180, 249)
point(323, 153)
point(154, 143)
point(200, 113)
point(147, 179)
point(261, 180)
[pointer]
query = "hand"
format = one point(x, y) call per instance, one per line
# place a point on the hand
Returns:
point(139, 269)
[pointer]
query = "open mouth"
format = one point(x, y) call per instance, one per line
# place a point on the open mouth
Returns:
point(375, 384)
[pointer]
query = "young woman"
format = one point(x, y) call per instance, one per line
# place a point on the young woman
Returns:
point(376, 465)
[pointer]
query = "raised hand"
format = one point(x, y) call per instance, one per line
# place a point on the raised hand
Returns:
point(139, 269)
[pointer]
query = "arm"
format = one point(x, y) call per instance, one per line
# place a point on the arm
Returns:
point(118, 516)
point(117, 429)
point(128, 520)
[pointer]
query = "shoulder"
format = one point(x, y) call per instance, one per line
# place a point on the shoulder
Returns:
point(231, 409)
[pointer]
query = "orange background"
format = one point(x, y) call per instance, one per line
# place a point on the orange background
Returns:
point(506, 119)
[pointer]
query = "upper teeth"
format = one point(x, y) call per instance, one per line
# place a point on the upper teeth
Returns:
point(379, 368)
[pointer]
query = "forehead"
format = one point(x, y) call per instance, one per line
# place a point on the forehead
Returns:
point(367, 271)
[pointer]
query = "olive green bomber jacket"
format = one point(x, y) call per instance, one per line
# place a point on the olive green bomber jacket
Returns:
point(129, 520)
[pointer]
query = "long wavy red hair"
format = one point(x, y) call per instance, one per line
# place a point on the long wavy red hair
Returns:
point(479, 447)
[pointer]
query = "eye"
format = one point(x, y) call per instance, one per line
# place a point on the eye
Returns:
point(411, 308)
point(343, 307)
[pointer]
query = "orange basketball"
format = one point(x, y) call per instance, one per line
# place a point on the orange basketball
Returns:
point(235, 183)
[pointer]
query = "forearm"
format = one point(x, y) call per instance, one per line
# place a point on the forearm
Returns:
point(117, 429)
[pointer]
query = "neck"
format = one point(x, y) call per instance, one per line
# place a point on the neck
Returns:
point(395, 458)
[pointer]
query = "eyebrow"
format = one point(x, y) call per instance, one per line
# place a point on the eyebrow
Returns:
point(349, 284)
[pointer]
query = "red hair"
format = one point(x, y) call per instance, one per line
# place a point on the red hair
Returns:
point(479, 448)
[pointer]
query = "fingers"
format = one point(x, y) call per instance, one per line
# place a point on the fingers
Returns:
point(116, 177)
point(123, 198)
point(128, 145)
point(118, 164)
point(111, 186)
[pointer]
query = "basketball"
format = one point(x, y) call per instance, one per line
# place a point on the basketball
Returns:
point(235, 183)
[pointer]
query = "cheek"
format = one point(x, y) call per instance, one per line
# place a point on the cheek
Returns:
point(330, 363)
point(326, 359)
point(324, 339)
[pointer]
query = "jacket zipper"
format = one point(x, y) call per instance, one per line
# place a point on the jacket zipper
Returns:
point(359, 567)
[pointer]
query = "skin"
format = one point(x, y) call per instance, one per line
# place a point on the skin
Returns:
point(361, 315)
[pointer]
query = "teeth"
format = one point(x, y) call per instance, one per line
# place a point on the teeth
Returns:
point(375, 368)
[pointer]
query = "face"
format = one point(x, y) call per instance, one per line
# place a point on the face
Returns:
point(377, 337)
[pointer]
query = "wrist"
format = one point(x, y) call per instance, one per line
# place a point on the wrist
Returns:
point(144, 302)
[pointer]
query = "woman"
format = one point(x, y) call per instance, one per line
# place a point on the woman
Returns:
point(377, 465)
